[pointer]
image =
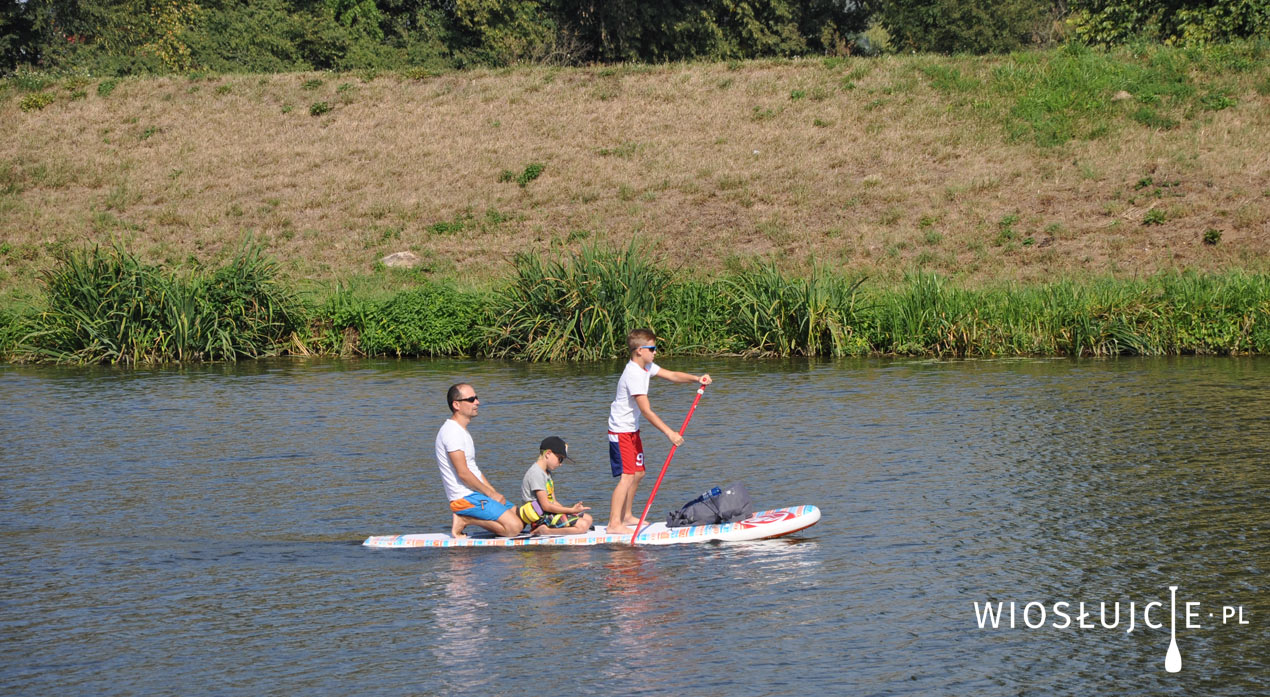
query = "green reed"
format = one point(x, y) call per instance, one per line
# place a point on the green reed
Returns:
point(107, 306)
point(11, 329)
point(779, 315)
point(1167, 314)
point(580, 308)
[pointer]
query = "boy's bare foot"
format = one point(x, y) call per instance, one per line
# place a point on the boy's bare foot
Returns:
point(456, 528)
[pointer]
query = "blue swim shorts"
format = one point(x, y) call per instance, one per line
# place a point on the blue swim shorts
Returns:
point(480, 506)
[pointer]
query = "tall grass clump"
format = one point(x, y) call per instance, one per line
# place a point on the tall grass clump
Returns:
point(11, 329)
point(696, 316)
point(926, 315)
point(1168, 314)
point(107, 306)
point(580, 308)
point(821, 314)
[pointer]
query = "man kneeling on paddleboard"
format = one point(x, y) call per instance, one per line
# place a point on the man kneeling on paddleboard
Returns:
point(473, 500)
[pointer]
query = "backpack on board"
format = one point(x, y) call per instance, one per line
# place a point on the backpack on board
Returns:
point(716, 506)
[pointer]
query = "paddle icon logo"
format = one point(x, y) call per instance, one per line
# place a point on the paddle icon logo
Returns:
point(1173, 658)
point(1036, 615)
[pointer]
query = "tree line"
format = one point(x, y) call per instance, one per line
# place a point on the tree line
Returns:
point(128, 37)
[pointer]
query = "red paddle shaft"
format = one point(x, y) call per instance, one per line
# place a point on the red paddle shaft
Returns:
point(701, 389)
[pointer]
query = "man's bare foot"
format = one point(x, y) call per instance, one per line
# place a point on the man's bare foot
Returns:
point(618, 530)
point(632, 522)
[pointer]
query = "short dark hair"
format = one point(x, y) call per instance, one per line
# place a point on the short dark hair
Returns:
point(639, 337)
point(454, 394)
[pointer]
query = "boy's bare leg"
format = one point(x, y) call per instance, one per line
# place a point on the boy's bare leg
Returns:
point(620, 505)
point(631, 519)
point(581, 527)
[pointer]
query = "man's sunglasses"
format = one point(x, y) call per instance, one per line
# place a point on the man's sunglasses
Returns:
point(652, 348)
point(473, 398)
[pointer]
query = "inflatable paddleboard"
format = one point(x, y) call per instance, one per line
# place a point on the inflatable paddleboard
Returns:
point(760, 526)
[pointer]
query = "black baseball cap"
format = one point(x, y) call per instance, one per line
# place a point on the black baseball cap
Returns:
point(557, 446)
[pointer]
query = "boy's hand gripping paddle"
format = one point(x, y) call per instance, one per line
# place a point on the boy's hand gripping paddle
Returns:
point(701, 389)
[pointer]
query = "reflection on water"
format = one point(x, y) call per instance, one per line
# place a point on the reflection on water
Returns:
point(198, 527)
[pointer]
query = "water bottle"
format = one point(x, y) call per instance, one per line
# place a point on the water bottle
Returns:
point(707, 495)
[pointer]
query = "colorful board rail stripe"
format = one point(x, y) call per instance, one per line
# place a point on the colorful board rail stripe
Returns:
point(761, 525)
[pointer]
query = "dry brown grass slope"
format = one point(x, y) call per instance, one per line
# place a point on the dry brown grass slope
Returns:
point(862, 165)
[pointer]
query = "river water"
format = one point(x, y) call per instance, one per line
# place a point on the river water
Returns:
point(197, 530)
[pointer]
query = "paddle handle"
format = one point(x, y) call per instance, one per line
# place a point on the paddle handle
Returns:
point(701, 389)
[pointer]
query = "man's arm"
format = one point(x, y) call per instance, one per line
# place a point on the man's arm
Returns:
point(471, 481)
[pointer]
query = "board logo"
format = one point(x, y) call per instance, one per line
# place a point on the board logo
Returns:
point(767, 518)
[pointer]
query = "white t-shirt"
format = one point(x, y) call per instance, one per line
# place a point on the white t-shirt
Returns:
point(450, 438)
point(624, 412)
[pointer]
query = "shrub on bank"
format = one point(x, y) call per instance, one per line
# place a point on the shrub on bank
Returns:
point(432, 320)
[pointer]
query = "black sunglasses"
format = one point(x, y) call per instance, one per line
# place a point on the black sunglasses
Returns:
point(652, 348)
point(473, 398)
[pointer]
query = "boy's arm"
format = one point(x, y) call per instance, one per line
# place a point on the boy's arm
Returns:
point(550, 506)
point(676, 376)
point(471, 481)
point(652, 418)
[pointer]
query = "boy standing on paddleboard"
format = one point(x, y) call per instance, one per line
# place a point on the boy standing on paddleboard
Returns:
point(473, 500)
point(540, 510)
point(626, 451)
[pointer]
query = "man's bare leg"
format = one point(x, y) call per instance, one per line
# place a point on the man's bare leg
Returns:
point(456, 526)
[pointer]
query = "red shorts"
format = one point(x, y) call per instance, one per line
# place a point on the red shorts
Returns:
point(626, 453)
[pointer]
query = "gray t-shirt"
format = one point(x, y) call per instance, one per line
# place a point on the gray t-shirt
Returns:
point(537, 479)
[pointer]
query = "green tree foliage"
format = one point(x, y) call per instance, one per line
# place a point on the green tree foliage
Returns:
point(634, 30)
point(18, 36)
point(139, 36)
point(1187, 22)
point(118, 37)
point(963, 26)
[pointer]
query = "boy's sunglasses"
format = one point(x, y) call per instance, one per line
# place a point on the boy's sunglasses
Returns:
point(652, 348)
point(473, 398)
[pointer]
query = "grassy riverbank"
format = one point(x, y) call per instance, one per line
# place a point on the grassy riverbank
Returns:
point(1061, 202)
point(106, 306)
point(1068, 162)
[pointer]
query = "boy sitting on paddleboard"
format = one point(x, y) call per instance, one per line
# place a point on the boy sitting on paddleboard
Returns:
point(540, 510)
point(626, 451)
